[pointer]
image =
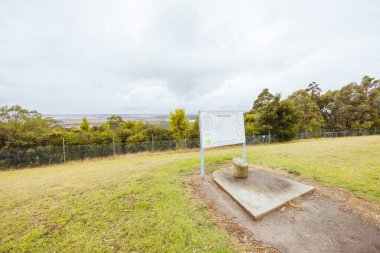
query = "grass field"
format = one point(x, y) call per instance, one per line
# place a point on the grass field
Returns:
point(143, 203)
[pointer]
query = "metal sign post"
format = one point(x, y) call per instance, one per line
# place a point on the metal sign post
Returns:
point(243, 152)
point(202, 149)
point(202, 162)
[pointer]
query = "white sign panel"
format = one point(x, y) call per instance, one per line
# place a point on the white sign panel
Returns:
point(221, 128)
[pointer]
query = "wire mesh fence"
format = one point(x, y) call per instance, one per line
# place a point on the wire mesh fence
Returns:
point(329, 134)
point(44, 155)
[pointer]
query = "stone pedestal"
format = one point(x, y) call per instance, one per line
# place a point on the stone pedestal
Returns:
point(239, 168)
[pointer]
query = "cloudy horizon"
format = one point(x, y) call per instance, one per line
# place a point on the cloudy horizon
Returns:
point(128, 57)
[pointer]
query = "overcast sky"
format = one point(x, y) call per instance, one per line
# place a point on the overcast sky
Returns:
point(153, 56)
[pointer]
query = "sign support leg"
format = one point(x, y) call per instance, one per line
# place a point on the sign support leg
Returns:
point(202, 162)
point(244, 152)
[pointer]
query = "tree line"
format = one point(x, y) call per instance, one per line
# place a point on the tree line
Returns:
point(21, 128)
point(354, 107)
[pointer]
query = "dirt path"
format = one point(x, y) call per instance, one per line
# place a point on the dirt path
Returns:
point(314, 223)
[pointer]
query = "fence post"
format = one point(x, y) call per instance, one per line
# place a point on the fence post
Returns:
point(63, 149)
point(185, 141)
point(269, 138)
point(113, 145)
point(152, 144)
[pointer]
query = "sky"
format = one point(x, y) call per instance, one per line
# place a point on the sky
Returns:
point(119, 56)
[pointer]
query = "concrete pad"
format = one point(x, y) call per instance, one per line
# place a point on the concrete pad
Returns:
point(261, 192)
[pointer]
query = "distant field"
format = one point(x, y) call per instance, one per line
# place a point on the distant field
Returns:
point(142, 202)
point(72, 120)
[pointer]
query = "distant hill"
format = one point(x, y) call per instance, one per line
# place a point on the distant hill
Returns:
point(71, 120)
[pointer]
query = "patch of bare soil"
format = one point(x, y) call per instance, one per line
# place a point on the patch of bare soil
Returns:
point(328, 220)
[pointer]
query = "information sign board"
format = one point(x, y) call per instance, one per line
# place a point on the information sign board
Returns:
point(221, 128)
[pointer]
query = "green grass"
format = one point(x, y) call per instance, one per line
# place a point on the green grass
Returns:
point(134, 203)
point(143, 203)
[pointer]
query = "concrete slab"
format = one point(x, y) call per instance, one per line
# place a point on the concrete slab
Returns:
point(261, 192)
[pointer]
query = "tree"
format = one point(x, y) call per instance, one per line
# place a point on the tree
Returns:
point(250, 123)
point(352, 105)
point(21, 128)
point(328, 104)
point(127, 125)
point(137, 137)
point(17, 114)
point(115, 121)
point(314, 91)
point(374, 103)
point(366, 126)
point(194, 129)
point(158, 132)
point(287, 121)
point(104, 127)
point(369, 83)
point(178, 124)
point(355, 126)
point(311, 119)
point(85, 126)
point(262, 100)
point(138, 125)
point(280, 118)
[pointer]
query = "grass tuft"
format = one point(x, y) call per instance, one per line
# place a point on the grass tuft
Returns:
point(293, 171)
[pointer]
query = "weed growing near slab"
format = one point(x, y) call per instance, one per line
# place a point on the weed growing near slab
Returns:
point(293, 171)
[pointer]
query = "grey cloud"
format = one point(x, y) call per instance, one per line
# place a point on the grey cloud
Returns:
point(148, 56)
